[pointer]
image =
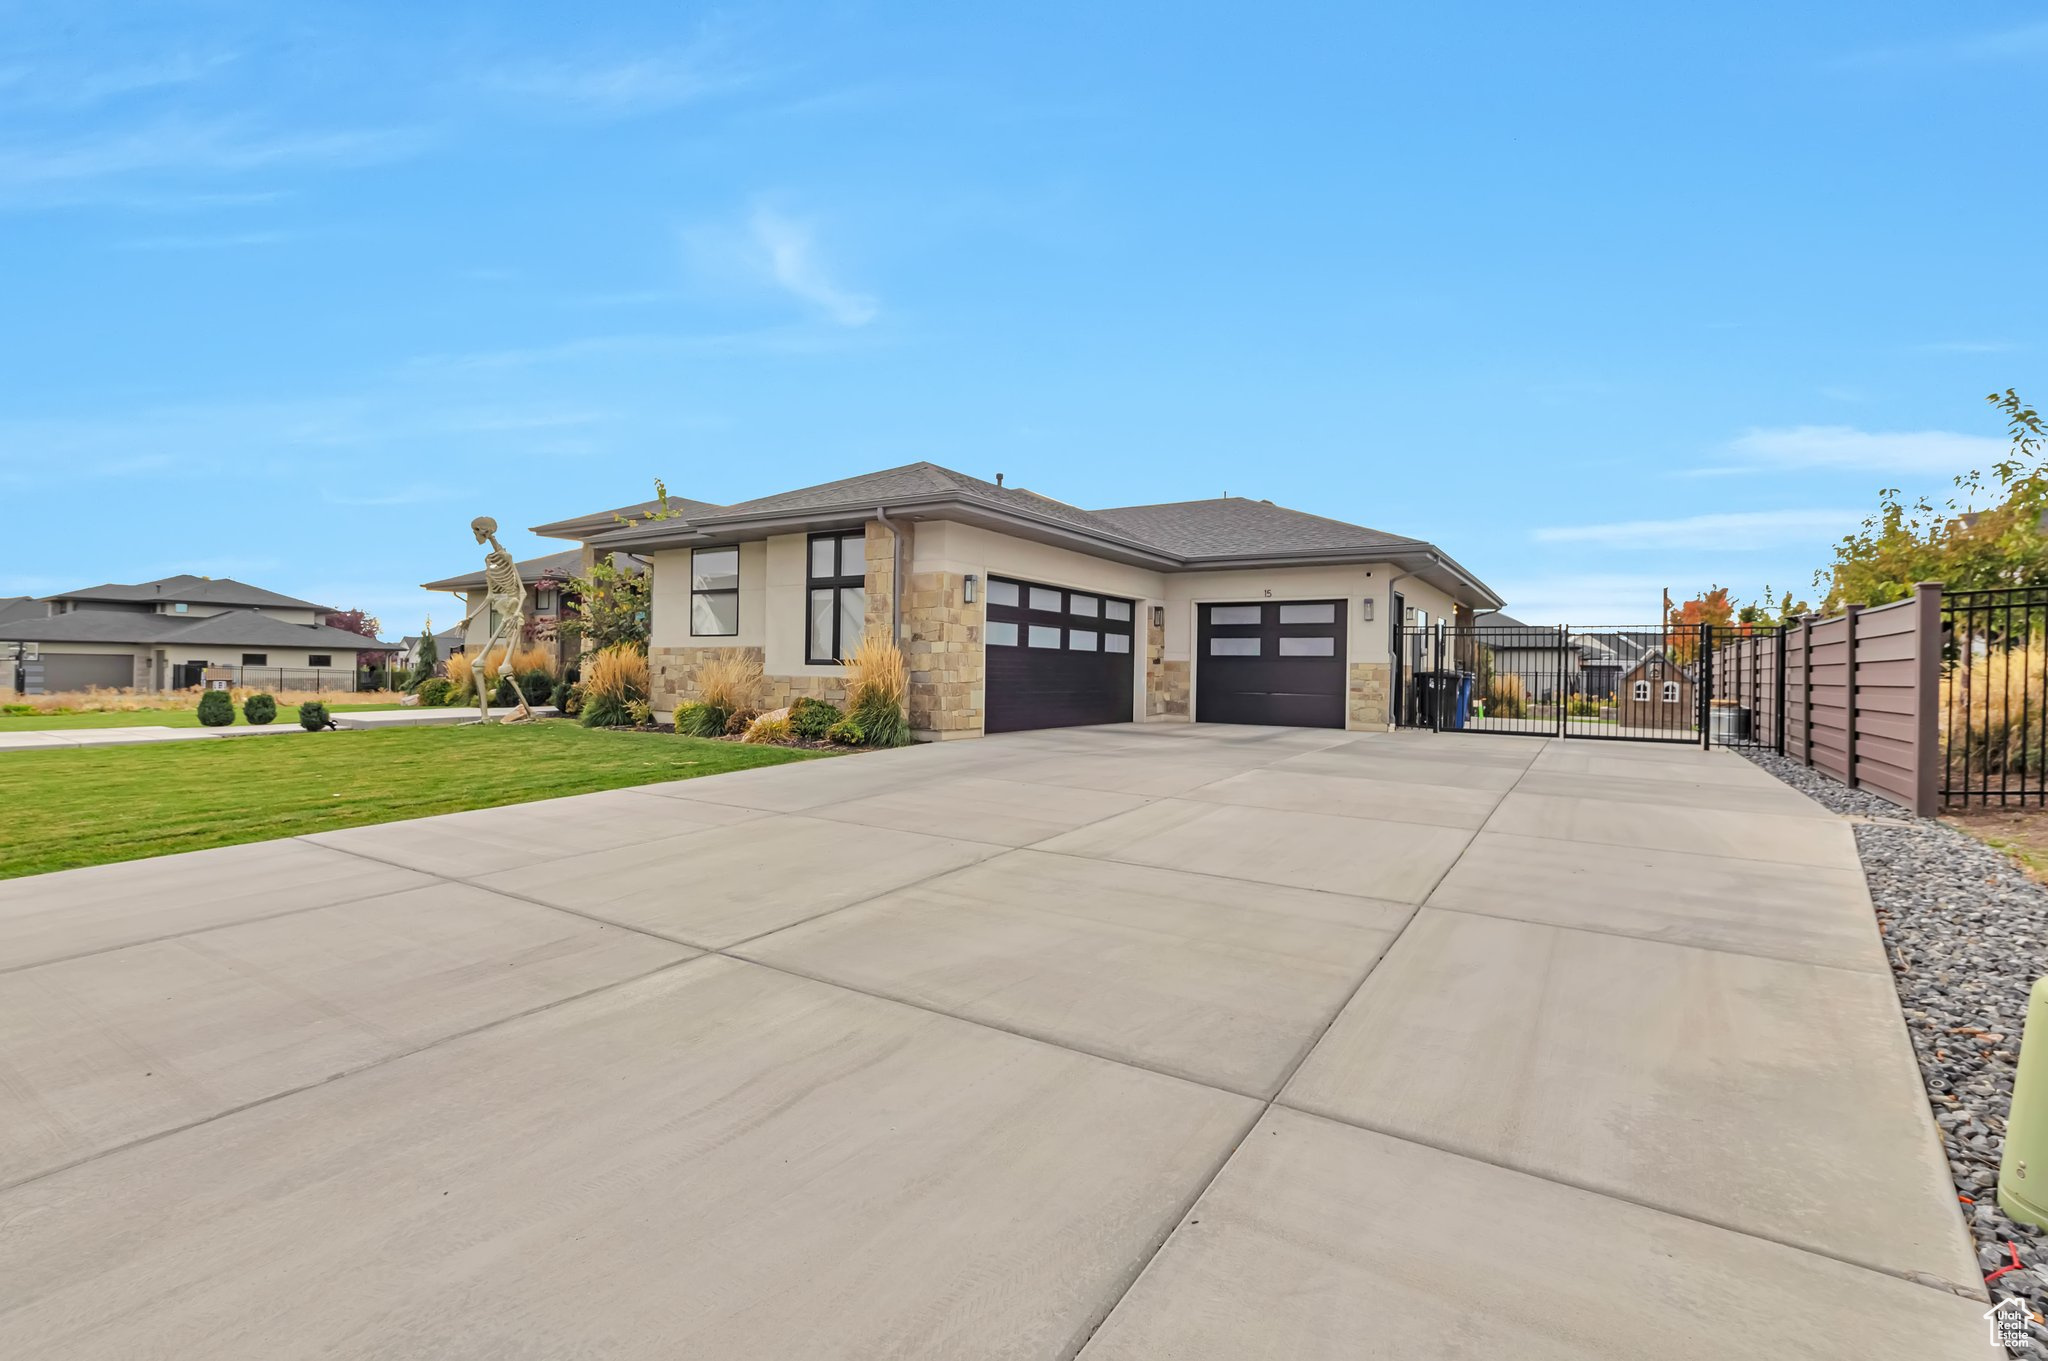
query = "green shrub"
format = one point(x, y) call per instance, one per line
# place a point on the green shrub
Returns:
point(313, 716)
point(433, 692)
point(506, 695)
point(811, 717)
point(767, 730)
point(575, 701)
point(559, 696)
point(260, 709)
point(538, 686)
point(216, 709)
point(739, 720)
point(700, 720)
point(881, 720)
point(640, 711)
point(17, 710)
point(847, 732)
point(606, 709)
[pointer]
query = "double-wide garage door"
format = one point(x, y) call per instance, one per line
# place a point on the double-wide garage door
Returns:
point(1056, 658)
point(1271, 661)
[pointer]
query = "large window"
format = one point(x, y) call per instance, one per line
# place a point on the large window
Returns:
point(837, 611)
point(714, 592)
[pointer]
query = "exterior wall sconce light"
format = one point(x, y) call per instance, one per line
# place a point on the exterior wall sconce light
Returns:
point(1159, 616)
point(967, 589)
point(1366, 617)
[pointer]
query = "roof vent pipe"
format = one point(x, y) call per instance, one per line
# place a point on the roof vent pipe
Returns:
point(999, 479)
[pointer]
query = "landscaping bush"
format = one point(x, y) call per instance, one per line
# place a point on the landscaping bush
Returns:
point(573, 704)
point(260, 709)
point(641, 712)
point(739, 721)
point(701, 720)
point(731, 680)
point(768, 730)
point(434, 692)
point(313, 716)
point(533, 657)
point(538, 686)
point(506, 695)
point(616, 677)
point(877, 683)
point(216, 709)
point(811, 717)
point(559, 695)
point(847, 733)
point(17, 710)
point(1505, 698)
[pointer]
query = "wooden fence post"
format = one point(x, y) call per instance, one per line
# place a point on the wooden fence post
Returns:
point(1849, 614)
point(1806, 687)
point(1927, 698)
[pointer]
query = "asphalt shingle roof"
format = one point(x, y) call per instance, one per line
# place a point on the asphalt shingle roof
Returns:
point(246, 628)
point(530, 571)
point(1233, 526)
point(21, 607)
point(192, 589)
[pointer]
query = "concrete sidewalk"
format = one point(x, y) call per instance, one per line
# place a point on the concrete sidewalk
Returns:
point(1125, 1042)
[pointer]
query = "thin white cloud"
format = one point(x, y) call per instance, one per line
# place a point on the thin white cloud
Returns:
point(55, 86)
point(792, 258)
point(617, 87)
point(219, 241)
point(1726, 531)
point(85, 166)
point(1966, 347)
point(1587, 599)
point(2024, 42)
point(1942, 452)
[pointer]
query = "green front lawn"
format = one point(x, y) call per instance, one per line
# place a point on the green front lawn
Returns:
point(287, 716)
point(89, 806)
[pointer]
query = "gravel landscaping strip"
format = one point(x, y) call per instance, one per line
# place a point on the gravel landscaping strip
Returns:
point(1967, 935)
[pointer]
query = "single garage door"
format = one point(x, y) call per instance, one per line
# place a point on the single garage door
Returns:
point(1271, 661)
point(64, 671)
point(1056, 658)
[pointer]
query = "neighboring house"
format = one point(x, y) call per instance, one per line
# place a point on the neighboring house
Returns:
point(1655, 693)
point(1542, 658)
point(547, 600)
point(1018, 611)
point(161, 635)
point(445, 642)
point(1605, 656)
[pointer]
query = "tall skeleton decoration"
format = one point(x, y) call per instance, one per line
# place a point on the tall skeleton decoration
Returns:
point(505, 594)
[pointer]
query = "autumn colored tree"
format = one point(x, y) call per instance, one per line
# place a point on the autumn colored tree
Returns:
point(355, 621)
point(1957, 543)
point(1682, 622)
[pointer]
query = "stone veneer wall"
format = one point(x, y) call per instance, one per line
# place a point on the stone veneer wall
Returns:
point(673, 675)
point(1166, 683)
point(942, 644)
point(1369, 694)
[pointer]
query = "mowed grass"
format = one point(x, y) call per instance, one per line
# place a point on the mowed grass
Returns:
point(287, 716)
point(90, 806)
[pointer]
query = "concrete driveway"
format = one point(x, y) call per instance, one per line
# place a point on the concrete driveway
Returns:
point(1132, 1042)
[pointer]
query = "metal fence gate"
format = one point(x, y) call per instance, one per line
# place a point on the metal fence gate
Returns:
point(1643, 683)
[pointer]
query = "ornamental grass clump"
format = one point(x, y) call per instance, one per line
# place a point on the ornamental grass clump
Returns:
point(613, 679)
point(1991, 716)
point(701, 720)
point(730, 679)
point(1506, 698)
point(770, 730)
point(877, 684)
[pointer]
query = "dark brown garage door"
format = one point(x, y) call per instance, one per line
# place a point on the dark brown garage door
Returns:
point(1271, 661)
point(1056, 658)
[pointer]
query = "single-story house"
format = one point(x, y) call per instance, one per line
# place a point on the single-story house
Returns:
point(547, 598)
point(1606, 655)
point(1542, 658)
point(445, 641)
point(161, 635)
point(1015, 610)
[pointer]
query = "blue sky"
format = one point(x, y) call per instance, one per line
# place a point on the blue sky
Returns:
point(1600, 298)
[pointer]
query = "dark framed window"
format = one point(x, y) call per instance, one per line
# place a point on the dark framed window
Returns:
point(715, 592)
point(255, 659)
point(319, 659)
point(836, 610)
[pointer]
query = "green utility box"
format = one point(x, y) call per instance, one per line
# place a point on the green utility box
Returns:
point(2023, 1171)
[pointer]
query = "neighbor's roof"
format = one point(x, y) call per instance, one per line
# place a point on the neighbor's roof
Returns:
point(195, 590)
point(1498, 630)
point(1176, 536)
point(531, 570)
point(582, 526)
point(232, 628)
point(21, 607)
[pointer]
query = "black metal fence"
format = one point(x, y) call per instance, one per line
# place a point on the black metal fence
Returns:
point(1994, 697)
point(1634, 683)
